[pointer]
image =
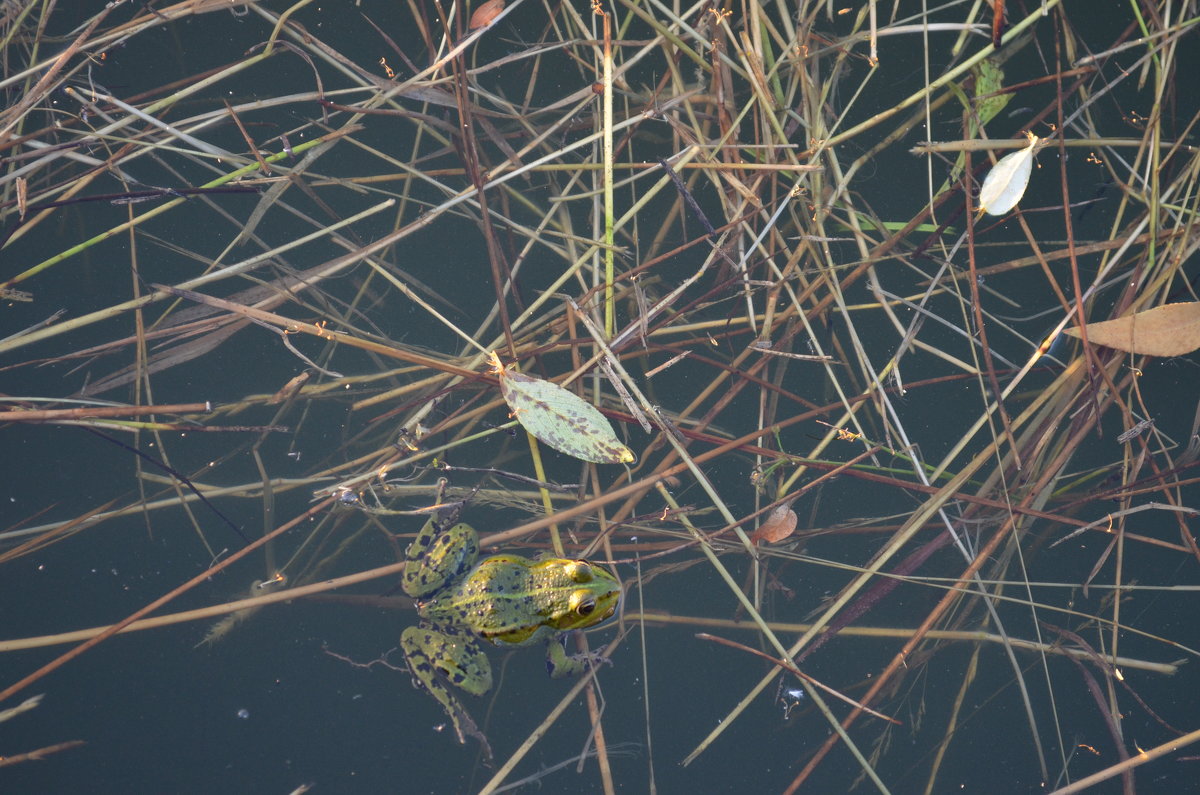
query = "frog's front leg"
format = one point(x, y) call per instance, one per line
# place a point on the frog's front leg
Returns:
point(436, 657)
point(559, 664)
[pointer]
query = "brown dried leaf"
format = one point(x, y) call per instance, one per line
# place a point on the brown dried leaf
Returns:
point(484, 15)
point(780, 524)
point(1168, 330)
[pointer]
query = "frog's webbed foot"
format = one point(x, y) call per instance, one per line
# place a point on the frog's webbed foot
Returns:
point(559, 664)
point(464, 725)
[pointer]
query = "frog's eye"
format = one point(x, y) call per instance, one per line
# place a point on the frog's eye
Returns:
point(582, 603)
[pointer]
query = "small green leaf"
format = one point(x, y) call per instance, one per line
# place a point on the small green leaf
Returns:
point(989, 79)
point(560, 418)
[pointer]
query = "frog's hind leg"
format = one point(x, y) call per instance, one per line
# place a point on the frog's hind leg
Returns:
point(435, 658)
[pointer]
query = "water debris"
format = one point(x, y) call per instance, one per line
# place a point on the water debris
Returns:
point(780, 525)
point(1135, 431)
point(24, 706)
point(485, 14)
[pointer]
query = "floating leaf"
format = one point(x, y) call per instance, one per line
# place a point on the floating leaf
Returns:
point(560, 418)
point(1005, 183)
point(780, 524)
point(1168, 330)
point(484, 15)
point(989, 79)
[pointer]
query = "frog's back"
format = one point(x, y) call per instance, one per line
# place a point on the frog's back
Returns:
point(509, 599)
point(496, 597)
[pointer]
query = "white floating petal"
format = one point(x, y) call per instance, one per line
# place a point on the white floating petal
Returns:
point(1005, 183)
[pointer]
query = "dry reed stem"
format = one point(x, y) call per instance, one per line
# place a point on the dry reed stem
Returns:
point(544, 194)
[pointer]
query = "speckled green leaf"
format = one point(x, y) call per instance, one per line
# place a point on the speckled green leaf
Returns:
point(560, 418)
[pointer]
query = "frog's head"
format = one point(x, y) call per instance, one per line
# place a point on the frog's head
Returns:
point(593, 594)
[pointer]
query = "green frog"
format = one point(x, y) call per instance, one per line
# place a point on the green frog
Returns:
point(505, 599)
